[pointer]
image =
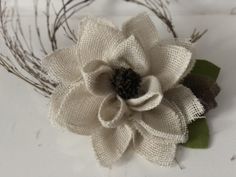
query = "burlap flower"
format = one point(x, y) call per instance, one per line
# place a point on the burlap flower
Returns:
point(121, 87)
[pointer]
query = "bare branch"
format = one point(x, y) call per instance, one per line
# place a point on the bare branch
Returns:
point(37, 27)
point(160, 9)
point(22, 61)
point(196, 35)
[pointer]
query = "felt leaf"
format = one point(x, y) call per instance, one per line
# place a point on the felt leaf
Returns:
point(202, 81)
point(206, 68)
point(204, 88)
point(198, 134)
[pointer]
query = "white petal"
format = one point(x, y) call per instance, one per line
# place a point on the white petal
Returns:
point(165, 121)
point(169, 63)
point(78, 110)
point(88, 19)
point(155, 149)
point(183, 42)
point(187, 102)
point(56, 100)
point(143, 29)
point(151, 97)
point(130, 54)
point(62, 65)
point(112, 111)
point(97, 75)
point(97, 40)
point(110, 144)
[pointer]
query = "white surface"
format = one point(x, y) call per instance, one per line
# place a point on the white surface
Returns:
point(30, 147)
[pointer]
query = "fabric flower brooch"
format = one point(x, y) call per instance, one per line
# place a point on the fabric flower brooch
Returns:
point(125, 88)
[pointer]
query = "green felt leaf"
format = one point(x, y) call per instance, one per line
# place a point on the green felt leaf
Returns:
point(198, 134)
point(206, 68)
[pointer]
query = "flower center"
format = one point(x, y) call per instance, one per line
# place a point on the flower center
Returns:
point(126, 83)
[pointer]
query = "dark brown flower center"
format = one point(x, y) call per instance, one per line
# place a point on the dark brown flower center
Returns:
point(126, 83)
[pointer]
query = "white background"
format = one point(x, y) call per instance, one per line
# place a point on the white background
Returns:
point(30, 147)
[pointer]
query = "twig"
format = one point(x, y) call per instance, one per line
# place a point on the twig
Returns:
point(22, 61)
point(197, 35)
point(160, 9)
point(38, 33)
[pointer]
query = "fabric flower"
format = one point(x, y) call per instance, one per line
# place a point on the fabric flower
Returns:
point(121, 88)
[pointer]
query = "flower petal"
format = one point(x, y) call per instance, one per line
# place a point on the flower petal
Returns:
point(130, 54)
point(78, 111)
point(56, 100)
point(151, 97)
point(183, 42)
point(110, 144)
point(97, 40)
point(97, 75)
point(89, 19)
point(169, 64)
point(143, 29)
point(62, 65)
point(165, 121)
point(112, 111)
point(156, 150)
point(187, 102)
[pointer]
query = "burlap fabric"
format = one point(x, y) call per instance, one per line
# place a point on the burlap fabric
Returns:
point(85, 103)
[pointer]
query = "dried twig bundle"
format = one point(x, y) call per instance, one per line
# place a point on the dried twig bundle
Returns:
point(161, 10)
point(23, 62)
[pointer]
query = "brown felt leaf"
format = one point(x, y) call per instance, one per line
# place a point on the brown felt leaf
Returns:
point(204, 88)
